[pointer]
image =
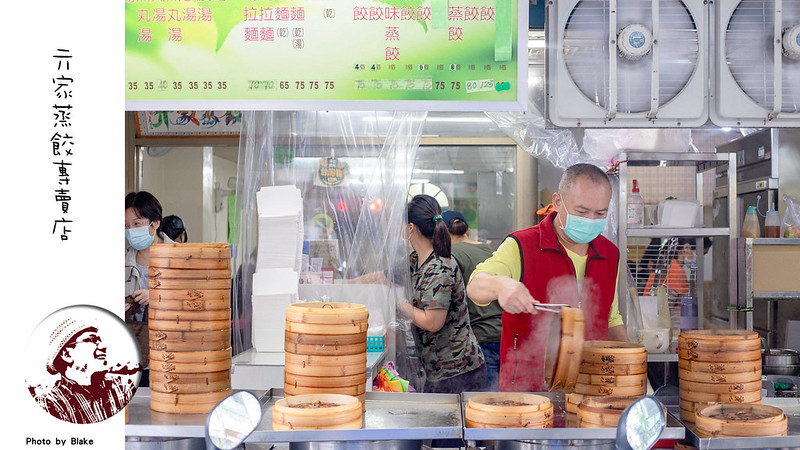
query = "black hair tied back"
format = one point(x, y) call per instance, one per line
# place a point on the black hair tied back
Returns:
point(425, 213)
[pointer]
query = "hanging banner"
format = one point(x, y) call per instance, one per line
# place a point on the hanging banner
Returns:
point(326, 55)
point(188, 123)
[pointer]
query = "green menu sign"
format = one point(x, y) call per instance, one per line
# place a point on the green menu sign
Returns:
point(326, 54)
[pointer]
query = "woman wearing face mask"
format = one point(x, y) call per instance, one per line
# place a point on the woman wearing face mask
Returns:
point(450, 354)
point(682, 263)
point(142, 221)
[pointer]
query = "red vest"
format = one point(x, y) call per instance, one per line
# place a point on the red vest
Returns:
point(549, 275)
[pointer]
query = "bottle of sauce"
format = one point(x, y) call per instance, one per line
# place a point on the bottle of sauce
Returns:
point(635, 207)
point(750, 227)
point(772, 224)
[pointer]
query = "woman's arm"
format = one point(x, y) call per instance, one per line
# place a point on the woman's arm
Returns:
point(428, 319)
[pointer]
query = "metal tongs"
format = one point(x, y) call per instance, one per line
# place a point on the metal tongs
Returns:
point(550, 307)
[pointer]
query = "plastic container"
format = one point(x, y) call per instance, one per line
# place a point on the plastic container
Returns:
point(772, 224)
point(635, 207)
point(750, 227)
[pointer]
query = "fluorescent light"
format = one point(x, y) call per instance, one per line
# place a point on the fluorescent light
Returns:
point(445, 171)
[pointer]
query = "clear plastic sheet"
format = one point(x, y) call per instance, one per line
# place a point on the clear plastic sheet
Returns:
point(606, 144)
point(357, 221)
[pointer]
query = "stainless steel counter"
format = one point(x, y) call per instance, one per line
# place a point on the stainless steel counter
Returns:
point(790, 407)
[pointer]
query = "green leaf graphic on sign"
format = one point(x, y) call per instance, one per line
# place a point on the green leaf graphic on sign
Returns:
point(226, 19)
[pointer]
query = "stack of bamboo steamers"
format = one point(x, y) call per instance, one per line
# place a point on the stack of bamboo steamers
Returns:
point(615, 371)
point(190, 326)
point(326, 355)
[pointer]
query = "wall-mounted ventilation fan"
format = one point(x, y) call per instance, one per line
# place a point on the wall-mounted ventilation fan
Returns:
point(627, 63)
point(756, 77)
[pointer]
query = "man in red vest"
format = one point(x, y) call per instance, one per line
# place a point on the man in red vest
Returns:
point(563, 259)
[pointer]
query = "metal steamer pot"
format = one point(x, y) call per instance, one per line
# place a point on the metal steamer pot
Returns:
point(780, 361)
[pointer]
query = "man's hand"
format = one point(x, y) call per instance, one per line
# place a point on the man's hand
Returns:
point(515, 298)
point(512, 295)
point(141, 296)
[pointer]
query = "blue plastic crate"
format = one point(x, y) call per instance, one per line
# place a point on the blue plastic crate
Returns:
point(375, 343)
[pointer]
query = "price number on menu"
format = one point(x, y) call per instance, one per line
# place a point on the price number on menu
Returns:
point(178, 85)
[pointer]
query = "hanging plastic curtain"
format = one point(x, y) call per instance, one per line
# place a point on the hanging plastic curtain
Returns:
point(353, 171)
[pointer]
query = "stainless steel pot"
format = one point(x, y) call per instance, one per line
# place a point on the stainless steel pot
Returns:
point(780, 361)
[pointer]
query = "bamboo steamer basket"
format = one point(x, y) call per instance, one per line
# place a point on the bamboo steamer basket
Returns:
point(613, 369)
point(325, 366)
point(719, 367)
point(325, 349)
point(324, 382)
point(182, 341)
point(188, 274)
point(190, 383)
point(340, 412)
point(191, 357)
point(619, 391)
point(639, 380)
point(188, 316)
point(717, 378)
point(602, 412)
point(613, 352)
point(572, 400)
point(720, 388)
point(186, 283)
point(189, 263)
point(190, 325)
point(189, 304)
point(186, 403)
point(708, 341)
point(326, 313)
point(727, 356)
point(566, 366)
point(190, 367)
point(740, 420)
point(688, 409)
point(190, 294)
point(201, 250)
point(703, 397)
point(325, 339)
point(318, 328)
point(354, 390)
point(509, 410)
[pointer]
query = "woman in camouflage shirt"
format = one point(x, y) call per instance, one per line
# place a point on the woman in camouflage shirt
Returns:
point(450, 353)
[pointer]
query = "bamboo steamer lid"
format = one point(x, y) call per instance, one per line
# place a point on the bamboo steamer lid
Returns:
point(619, 391)
point(613, 369)
point(190, 274)
point(509, 410)
point(191, 357)
point(720, 367)
point(613, 352)
point(186, 403)
point(639, 380)
point(602, 412)
point(567, 364)
point(708, 342)
point(720, 335)
point(740, 420)
point(190, 383)
point(200, 250)
point(316, 412)
point(186, 283)
point(720, 388)
point(185, 316)
point(688, 409)
point(190, 367)
point(189, 263)
point(324, 382)
point(354, 390)
point(326, 313)
point(717, 378)
point(724, 356)
point(740, 397)
point(325, 349)
point(325, 339)
point(189, 325)
point(181, 341)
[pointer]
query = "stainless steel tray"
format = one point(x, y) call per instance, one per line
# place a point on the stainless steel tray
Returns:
point(790, 407)
point(560, 430)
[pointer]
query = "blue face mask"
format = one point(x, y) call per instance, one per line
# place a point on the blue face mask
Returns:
point(139, 237)
point(582, 230)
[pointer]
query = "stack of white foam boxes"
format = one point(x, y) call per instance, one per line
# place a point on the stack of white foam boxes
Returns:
point(275, 281)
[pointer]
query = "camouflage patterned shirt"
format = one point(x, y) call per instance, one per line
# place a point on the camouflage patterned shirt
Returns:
point(453, 350)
